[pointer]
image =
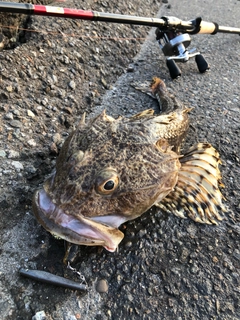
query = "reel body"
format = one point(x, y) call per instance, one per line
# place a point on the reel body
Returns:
point(174, 46)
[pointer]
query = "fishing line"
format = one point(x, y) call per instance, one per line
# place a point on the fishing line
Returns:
point(74, 35)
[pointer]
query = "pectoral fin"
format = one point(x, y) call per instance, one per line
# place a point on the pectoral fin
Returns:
point(197, 193)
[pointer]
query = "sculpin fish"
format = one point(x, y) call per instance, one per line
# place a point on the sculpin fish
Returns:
point(111, 170)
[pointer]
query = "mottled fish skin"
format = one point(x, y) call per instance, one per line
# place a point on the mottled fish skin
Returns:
point(113, 170)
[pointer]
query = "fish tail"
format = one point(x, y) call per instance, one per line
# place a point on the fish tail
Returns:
point(160, 92)
point(158, 85)
point(167, 101)
point(197, 193)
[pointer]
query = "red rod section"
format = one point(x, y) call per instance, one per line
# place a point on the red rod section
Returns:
point(63, 12)
point(28, 8)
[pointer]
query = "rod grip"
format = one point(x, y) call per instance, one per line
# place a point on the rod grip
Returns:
point(208, 27)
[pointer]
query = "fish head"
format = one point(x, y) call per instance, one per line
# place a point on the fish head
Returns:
point(108, 172)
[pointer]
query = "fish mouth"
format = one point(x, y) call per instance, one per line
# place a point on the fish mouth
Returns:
point(94, 231)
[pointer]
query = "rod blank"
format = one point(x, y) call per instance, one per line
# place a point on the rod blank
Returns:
point(165, 23)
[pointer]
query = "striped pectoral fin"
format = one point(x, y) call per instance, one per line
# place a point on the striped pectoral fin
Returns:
point(197, 193)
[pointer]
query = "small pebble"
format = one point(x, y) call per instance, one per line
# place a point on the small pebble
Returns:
point(142, 232)
point(128, 244)
point(9, 88)
point(16, 112)
point(72, 84)
point(56, 138)
point(40, 315)
point(66, 60)
point(104, 83)
point(9, 116)
point(130, 297)
point(130, 68)
point(17, 165)
point(102, 286)
point(53, 149)
point(2, 154)
point(12, 154)
point(32, 143)
point(15, 124)
point(30, 114)
point(31, 169)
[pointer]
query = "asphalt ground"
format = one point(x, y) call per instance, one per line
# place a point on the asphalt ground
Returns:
point(167, 268)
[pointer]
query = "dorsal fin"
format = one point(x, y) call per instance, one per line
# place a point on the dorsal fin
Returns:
point(143, 114)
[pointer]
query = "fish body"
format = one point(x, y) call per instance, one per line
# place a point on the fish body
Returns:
point(111, 170)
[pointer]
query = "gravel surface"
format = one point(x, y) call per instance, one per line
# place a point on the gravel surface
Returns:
point(166, 268)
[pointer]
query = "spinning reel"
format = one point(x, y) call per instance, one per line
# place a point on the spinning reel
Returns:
point(172, 33)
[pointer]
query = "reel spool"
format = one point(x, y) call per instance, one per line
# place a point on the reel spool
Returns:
point(174, 46)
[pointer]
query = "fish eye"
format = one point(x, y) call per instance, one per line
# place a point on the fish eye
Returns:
point(109, 185)
point(107, 182)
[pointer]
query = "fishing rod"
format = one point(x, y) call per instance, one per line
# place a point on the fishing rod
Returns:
point(172, 34)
